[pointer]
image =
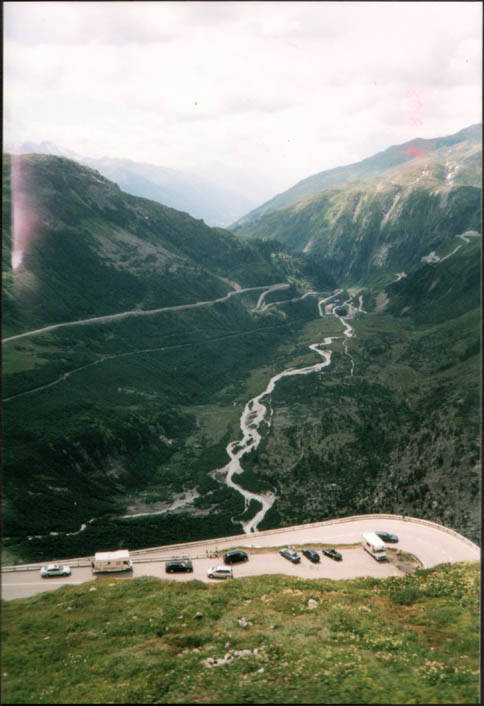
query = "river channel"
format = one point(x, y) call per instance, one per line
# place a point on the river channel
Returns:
point(255, 411)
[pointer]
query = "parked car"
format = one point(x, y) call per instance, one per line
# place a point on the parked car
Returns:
point(290, 554)
point(220, 572)
point(387, 536)
point(311, 554)
point(234, 556)
point(55, 570)
point(333, 554)
point(178, 566)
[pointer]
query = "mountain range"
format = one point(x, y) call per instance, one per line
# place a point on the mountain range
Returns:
point(134, 336)
point(214, 192)
point(380, 164)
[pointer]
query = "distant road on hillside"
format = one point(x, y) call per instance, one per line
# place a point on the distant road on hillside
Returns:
point(142, 312)
point(432, 544)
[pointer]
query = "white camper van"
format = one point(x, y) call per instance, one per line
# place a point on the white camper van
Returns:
point(111, 561)
point(374, 546)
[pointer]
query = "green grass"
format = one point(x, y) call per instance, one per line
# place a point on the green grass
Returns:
point(25, 356)
point(393, 641)
point(212, 422)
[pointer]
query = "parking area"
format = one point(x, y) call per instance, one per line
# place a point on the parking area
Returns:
point(356, 562)
point(430, 543)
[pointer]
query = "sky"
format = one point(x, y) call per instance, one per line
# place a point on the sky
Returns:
point(276, 90)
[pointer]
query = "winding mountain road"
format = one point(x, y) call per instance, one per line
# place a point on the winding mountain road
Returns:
point(141, 312)
point(255, 412)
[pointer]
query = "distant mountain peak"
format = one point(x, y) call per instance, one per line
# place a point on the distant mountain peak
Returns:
point(216, 200)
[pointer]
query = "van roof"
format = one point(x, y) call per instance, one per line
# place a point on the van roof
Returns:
point(112, 556)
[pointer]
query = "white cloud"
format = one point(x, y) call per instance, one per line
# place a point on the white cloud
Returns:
point(283, 88)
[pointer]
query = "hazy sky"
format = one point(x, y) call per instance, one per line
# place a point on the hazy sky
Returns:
point(283, 89)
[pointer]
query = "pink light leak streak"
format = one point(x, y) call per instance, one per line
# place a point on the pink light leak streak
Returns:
point(24, 218)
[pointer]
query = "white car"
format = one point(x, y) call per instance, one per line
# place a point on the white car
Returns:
point(55, 570)
point(220, 572)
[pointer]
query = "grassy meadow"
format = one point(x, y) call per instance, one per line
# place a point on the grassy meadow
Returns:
point(264, 639)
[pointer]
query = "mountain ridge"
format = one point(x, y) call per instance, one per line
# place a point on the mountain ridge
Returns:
point(145, 250)
point(372, 228)
point(381, 161)
point(202, 195)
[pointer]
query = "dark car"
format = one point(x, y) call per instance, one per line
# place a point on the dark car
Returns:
point(387, 536)
point(178, 566)
point(333, 554)
point(234, 556)
point(290, 554)
point(311, 554)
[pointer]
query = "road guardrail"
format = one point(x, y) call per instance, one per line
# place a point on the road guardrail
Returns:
point(86, 561)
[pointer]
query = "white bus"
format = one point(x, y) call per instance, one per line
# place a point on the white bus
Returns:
point(374, 546)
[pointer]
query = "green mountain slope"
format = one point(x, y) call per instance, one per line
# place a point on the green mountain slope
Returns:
point(396, 426)
point(441, 289)
point(133, 414)
point(367, 231)
point(94, 412)
point(130, 252)
point(412, 639)
point(217, 203)
point(378, 164)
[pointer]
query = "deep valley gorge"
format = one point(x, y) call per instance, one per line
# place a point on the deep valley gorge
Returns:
point(168, 381)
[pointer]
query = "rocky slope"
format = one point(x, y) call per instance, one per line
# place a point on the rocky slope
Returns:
point(377, 165)
point(369, 230)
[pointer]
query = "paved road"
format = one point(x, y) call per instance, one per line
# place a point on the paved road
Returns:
point(431, 544)
point(141, 312)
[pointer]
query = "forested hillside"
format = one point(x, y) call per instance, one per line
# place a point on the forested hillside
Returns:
point(95, 411)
